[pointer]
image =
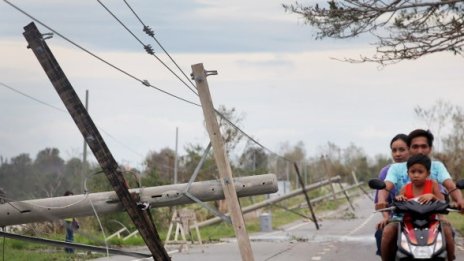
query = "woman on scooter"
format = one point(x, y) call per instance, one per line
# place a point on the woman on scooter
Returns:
point(400, 153)
point(425, 190)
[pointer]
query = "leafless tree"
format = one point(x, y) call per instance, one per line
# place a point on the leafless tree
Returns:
point(404, 29)
point(436, 118)
point(453, 145)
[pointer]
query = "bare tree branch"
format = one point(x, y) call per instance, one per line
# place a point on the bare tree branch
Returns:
point(404, 29)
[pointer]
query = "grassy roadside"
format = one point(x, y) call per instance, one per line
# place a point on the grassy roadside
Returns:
point(12, 249)
point(280, 217)
point(21, 250)
point(457, 220)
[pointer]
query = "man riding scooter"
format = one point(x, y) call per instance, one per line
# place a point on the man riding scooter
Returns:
point(420, 142)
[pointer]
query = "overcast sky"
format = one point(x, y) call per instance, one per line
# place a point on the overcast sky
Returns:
point(271, 70)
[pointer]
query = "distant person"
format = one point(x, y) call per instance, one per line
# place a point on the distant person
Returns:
point(400, 153)
point(70, 225)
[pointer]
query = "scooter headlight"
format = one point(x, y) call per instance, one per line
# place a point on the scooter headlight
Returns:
point(439, 243)
point(422, 252)
point(405, 243)
point(425, 252)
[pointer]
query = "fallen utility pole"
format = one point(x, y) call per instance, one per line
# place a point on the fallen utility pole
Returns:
point(49, 209)
point(272, 201)
point(321, 198)
point(225, 171)
point(140, 217)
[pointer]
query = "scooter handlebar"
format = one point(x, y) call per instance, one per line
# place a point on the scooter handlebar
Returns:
point(384, 209)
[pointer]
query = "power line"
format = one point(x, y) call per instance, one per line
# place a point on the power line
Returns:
point(32, 98)
point(151, 33)
point(144, 82)
point(61, 110)
point(120, 22)
point(147, 47)
point(120, 143)
point(248, 136)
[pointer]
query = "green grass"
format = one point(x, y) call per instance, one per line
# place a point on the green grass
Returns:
point(12, 250)
point(457, 220)
point(280, 217)
point(21, 250)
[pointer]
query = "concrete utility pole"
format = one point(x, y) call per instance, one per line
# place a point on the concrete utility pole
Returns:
point(49, 209)
point(220, 156)
point(139, 216)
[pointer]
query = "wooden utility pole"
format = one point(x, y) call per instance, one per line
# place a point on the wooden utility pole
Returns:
point(84, 168)
point(305, 193)
point(84, 151)
point(220, 156)
point(139, 216)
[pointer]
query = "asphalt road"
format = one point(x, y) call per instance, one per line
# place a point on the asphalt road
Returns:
point(343, 235)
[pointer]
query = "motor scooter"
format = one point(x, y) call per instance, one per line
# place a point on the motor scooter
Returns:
point(420, 233)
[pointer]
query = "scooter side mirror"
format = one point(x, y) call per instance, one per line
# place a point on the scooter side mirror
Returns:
point(379, 184)
point(460, 184)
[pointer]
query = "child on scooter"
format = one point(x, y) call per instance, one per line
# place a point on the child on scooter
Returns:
point(420, 186)
point(424, 190)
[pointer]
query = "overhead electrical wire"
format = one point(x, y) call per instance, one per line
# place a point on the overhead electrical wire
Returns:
point(64, 111)
point(147, 47)
point(144, 82)
point(11, 200)
point(151, 33)
point(95, 212)
point(32, 98)
point(86, 196)
point(249, 137)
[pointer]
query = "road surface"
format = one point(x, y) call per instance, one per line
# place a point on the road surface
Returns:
point(344, 235)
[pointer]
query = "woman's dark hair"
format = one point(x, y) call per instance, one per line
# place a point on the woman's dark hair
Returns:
point(400, 136)
point(68, 193)
point(419, 159)
point(420, 133)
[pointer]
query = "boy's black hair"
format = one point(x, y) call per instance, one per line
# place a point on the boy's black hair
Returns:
point(419, 159)
point(400, 136)
point(68, 193)
point(420, 133)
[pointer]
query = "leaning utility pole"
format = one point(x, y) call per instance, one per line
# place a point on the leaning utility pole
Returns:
point(225, 171)
point(84, 151)
point(140, 216)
